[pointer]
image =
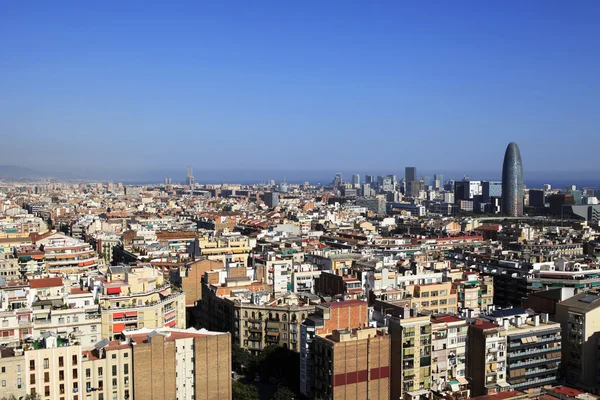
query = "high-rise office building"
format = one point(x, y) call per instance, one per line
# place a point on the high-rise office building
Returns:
point(370, 179)
point(438, 181)
point(512, 182)
point(410, 174)
point(190, 176)
point(337, 179)
point(491, 189)
point(271, 199)
point(356, 180)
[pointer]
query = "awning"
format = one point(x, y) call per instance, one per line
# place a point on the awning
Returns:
point(171, 324)
point(117, 328)
point(131, 314)
point(462, 380)
point(113, 290)
point(272, 333)
point(118, 315)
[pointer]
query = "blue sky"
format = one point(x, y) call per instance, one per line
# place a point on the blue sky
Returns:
point(107, 87)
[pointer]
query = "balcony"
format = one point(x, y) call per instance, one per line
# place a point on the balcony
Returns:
point(518, 354)
point(533, 362)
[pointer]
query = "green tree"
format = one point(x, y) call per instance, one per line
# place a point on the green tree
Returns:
point(243, 392)
point(283, 393)
point(242, 360)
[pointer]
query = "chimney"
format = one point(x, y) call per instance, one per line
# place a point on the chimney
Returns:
point(505, 323)
point(544, 318)
point(518, 321)
point(405, 313)
point(536, 320)
point(415, 312)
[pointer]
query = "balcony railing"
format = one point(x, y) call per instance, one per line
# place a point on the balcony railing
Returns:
point(533, 351)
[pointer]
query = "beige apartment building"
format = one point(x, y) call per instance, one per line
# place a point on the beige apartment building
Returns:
point(231, 248)
point(54, 370)
point(108, 371)
point(579, 318)
point(139, 297)
point(13, 374)
point(411, 356)
point(439, 298)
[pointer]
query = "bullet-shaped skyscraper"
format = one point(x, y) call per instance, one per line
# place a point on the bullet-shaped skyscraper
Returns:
point(512, 182)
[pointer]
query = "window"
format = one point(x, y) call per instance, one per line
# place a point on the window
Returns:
point(61, 375)
point(32, 379)
point(115, 396)
point(61, 361)
point(93, 328)
point(88, 373)
point(114, 382)
point(125, 355)
point(47, 391)
point(114, 370)
point(46, 377)
point(46, 363)
point(19, 383)
point(3, 369)
point(74, 373)
point(32, 365)
point(126, 381)
point(114, 356)
point(3, 383)
point(443, 292)
point(62, 388)
point(75, 359)
point(18, 368)
point(100, 396)
point(99, 372)
point(126, 369)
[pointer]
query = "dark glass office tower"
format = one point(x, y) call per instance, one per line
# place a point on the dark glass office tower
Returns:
point(512, 182)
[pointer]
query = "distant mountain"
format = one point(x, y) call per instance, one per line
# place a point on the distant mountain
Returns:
point(14, 172)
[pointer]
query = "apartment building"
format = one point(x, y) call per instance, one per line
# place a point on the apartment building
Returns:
point(233, 248)
point(13, 374)
point(256, 319)
point(486, 366)
point(439, 298)
point(326, 318)
point(411, 375)
point(448, 355)
point(65, 255)
point(108, 371)
point(9, 268)
point(353, 364)
point(138, 297)
point(533, 348)
point(186, 364)
point(53, 369)
point(189, 278)
point(474, 291)
point(579, 318)
point(9, 244)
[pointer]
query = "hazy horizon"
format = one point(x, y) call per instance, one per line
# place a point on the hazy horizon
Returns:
point(286, 86)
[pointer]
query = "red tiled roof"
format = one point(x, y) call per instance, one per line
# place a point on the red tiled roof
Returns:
point(45, 283)
point(566, 391)
point(445, 318)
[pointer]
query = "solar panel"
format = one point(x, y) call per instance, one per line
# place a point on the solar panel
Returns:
point(588, 298)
